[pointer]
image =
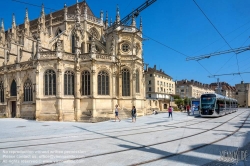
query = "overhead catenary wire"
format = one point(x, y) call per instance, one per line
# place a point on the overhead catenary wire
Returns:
point(218, 33)
point(31, 4)
point(174, 50)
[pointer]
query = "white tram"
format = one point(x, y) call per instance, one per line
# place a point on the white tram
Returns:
point(214, 105)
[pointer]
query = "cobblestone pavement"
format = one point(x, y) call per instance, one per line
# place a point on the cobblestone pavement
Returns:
point(152, 140)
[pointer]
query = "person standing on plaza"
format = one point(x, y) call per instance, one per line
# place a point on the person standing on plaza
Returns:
point(116, 113)
point(133, 113)
point(170, 111)
point(188, 109)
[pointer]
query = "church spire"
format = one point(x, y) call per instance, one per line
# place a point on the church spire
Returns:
point(141, 24)
point(117, 15)
point(133, 23)
point(106, 20)
point(101, 15)
point(77, 12)
point(26, 15)
point(2, 26)
point(42, 12)
point(13, 21)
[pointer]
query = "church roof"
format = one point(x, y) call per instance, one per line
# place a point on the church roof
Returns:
point(60, 13)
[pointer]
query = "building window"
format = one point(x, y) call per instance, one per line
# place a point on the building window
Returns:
point(103, 83)
point(125, 82)
point(149, 95)
point(1, 92)
point(150, 75)
point(137, 82)
point(85, 83)
point(73, 49)
point(27, 89)
point(158, 89)
point(13, 90)
point(125, 47)
point(149, 82)
point(165, 106)
point(69, 81)
point(157, 82)
point(149, 89)
point(50, 82)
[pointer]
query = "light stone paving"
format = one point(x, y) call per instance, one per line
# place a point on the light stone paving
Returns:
point(152, 140)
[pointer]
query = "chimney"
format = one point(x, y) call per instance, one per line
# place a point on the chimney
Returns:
point(242, 82)
point(160, 70)
point(155, 67)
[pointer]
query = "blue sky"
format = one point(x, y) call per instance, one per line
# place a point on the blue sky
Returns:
point(175, 24)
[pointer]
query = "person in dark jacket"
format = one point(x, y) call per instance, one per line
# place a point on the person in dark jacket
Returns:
point(133, 113)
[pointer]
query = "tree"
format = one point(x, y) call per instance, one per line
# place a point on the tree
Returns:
point(178, 102)
point(186, 101)
point(176, 96)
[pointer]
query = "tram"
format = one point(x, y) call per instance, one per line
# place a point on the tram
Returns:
point(215, 105)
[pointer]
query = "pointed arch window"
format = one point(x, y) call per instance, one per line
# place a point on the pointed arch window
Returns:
point(1, 92)
point(125, 82)
point(85, 82)
point(69, 81)
point(137, 89)
point(13, 88)
point(50, 82)
point(103, 83)
point(73, 40)
point(94, 33)
point(58, 31)
point(27, 89)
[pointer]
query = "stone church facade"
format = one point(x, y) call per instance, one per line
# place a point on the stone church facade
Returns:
point(70, 66)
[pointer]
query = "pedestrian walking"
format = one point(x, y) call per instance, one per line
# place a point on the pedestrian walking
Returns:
point(116, 113)
point(133, 113)
point(170, 110)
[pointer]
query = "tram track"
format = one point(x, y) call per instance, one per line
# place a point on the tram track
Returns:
point(106, 131)
point(79, 135)
point(90, 139)
point(196, 148)
point(159, 143)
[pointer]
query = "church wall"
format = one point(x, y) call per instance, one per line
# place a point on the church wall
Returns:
point(12, 59)
point(25, 56)
point(1, 53)
point(1, 61)
point(104, 108)
point(48, 111)
point(86, 105)
point(68, 109)
point(2, 110)
point(28, 111)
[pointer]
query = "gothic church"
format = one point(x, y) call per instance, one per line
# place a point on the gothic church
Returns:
point(70, 65)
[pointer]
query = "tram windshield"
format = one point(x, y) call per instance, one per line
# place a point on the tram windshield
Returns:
point(207, 102)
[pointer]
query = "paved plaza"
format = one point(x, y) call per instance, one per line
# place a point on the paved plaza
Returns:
point(152, 140)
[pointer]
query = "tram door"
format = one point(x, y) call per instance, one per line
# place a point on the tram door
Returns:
point(13, 109)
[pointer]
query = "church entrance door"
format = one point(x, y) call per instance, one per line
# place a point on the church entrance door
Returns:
point(13, 109)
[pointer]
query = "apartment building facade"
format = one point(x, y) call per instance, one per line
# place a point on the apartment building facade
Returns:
point(159, 88)
point(192, 89)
